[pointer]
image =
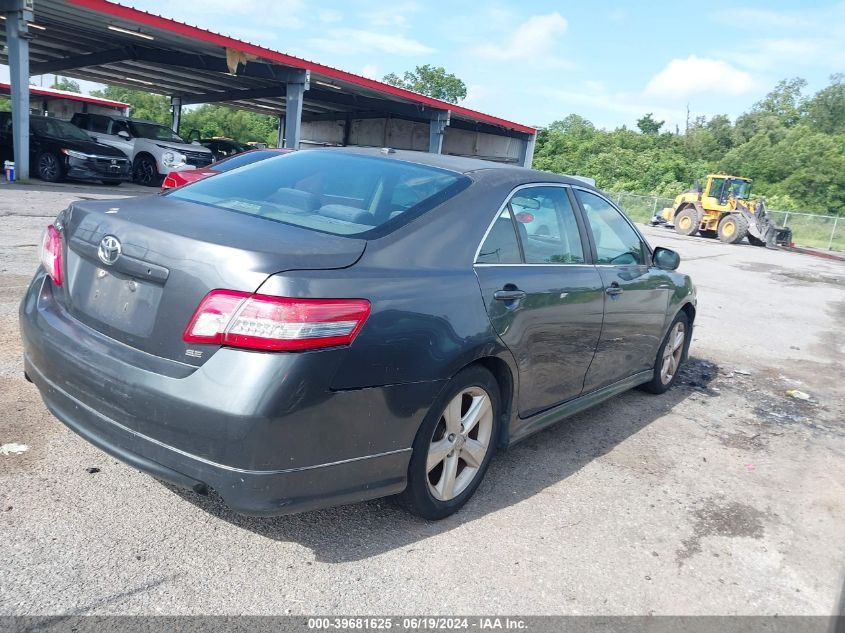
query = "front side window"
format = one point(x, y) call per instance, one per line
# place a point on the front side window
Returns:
point(327, 190)
point(500, 245)
point(549, 231)
point(617, 243)
point(153, 131)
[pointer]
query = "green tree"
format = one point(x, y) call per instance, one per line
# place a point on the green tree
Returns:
point(793, 147)
point(722, 130)
point(63, 83)
point(215, 120)
point(785, 101)
point(142, 105)
point(826, 110)
point(432, 81)
point(648, 125)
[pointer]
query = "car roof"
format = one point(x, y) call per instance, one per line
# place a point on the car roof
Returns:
point(120, 117)
point(461, 164)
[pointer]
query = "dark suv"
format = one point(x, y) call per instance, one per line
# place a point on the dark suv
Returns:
point(59, 150)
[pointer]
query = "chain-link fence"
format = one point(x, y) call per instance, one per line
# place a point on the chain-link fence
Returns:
point(808, 229)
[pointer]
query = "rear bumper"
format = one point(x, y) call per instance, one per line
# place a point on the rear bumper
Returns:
point(266, 444)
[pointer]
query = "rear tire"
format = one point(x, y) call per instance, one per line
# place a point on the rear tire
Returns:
point(453, 446)
point(50, 167)
point(686, 221)
point(670, 356)
point(732, 228)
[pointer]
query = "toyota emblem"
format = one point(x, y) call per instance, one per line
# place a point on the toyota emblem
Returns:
point(109, 250)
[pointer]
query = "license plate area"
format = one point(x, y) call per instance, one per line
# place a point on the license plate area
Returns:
point(118, 300)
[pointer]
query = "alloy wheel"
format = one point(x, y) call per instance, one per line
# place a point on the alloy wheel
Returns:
point(48, 167)
point(144, 172)
point(459, 444)
point(672, 353)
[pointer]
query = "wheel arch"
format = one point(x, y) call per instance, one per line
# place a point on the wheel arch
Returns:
point(144, 154)
point(505, 379)
point(688, 309)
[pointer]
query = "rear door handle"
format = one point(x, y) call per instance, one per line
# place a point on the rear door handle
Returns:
point(613, 289)
point(509, 295)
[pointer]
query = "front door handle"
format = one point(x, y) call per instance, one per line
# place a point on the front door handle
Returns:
point(613, 289)
point(509, 295)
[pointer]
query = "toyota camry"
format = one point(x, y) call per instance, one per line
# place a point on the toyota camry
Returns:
point(334, 325)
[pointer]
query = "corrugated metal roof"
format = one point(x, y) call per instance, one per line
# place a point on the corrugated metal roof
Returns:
point(73, 28)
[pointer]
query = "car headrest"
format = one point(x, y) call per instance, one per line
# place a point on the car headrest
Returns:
point(298, 200)
point(348, 214)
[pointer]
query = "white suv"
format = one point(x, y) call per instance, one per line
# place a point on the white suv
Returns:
point(155, 149)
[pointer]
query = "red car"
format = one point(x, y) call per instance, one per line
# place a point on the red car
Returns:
point(179, 178)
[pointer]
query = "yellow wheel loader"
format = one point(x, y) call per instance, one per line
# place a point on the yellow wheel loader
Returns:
point(722, 209)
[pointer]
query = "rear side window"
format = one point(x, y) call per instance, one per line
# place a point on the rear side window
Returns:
point(246, 158)
point(99, 124)
point(329, 191)
point(500, 245)
point(550, 234)
point(617, 243)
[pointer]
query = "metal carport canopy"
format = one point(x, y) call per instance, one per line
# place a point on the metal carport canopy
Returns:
point(105, 42)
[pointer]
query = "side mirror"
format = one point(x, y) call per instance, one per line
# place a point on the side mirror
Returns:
point(124, 135)
point(666, 258)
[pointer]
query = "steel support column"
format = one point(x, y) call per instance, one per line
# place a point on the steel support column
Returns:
point(281, 141)
point(436, 129)
point(17, 41)
point(526, 150)
point(294, 97)
point(175, 113)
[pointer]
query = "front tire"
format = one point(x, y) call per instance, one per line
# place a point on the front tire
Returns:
point(454, 446)
point(670, 356)
point(145, 172)
point(732, 228)
point(50, 167)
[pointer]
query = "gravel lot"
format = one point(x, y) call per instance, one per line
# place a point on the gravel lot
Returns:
point(724, 496)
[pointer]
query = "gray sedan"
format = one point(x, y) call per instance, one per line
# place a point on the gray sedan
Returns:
point(336, 325)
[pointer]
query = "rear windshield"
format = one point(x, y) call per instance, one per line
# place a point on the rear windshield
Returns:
point(329, 191)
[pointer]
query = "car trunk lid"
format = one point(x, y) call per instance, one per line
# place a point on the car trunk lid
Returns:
point(136, 269)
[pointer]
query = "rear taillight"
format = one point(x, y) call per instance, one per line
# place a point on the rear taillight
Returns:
point(169, 183)
point(239, 319)
point(51, 254)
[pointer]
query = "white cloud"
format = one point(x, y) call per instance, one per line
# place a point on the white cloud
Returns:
point(353, 41)
point(684, 77)
point(533, 40)
point(370, 71)
point(392, 15)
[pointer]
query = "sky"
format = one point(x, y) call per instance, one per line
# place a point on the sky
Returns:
point(537, 61)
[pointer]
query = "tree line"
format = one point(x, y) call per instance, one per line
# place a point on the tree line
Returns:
point(792, 145)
